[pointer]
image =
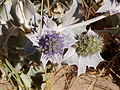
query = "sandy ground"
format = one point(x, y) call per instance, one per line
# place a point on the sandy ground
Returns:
point(62, 81)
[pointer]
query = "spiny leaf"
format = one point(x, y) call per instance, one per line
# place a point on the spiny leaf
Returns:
point(68, 17)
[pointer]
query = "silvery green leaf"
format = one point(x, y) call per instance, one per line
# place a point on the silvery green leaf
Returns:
point(20, 13)
point(105, 6)
point(81, 62)
point(2, 21)
point(90, 61)
point(26, 80)
point(18, 66)
point(44, 61)
point(13, 11)
point(94, 60)
point(28, 9)
point(91, 32)
point(111, 6)
point(68, 17)
point(32, 71)
point(79, 30)
point(50, 23)
point(69, 38)
point(81, 66)
point(71, 57)
point(35, 22)
point(25, 10)
point(5, 12)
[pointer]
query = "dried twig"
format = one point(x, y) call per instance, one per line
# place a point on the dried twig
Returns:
point(114, 72)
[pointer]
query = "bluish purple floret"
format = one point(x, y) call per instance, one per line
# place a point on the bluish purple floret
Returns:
point(51, 43)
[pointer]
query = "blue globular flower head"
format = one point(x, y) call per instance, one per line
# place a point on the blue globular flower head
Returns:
point(51, 44)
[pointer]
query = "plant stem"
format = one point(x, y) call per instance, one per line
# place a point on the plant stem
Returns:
point(48, 4)
point(46, 79)
point(41, 16)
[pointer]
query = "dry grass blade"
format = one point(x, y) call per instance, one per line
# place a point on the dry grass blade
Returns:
point(114, 73)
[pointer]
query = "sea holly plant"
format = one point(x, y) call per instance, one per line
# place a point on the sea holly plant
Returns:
point(5, 7)
point(86, 51)
point(63, 41)
point(52, 41)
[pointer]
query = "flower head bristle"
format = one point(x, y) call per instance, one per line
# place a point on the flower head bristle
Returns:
point(89, 44)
